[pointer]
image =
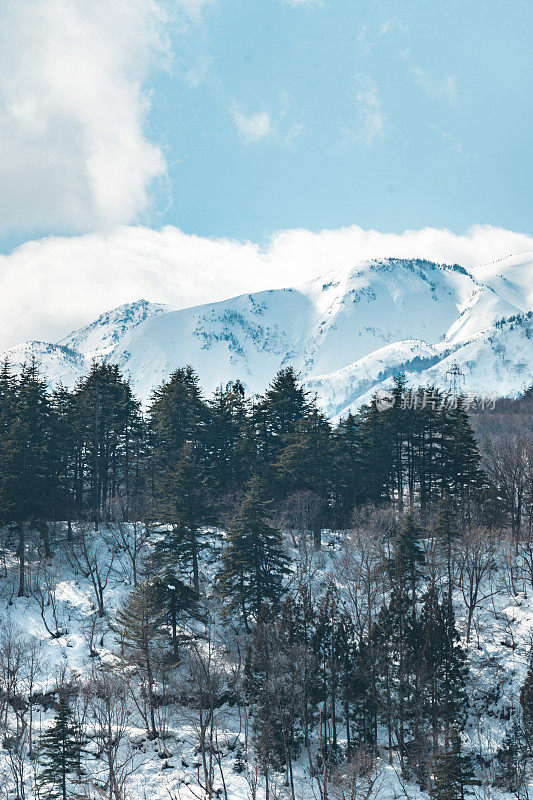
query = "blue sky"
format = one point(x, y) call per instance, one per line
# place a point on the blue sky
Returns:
point(385, 114)
point(239, 118)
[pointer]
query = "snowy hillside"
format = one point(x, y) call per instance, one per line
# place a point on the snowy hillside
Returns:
point(84, 645)
point(346, 333)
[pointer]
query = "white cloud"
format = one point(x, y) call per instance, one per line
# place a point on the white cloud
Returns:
point(442, 88)
point(194, 8)
point(50, 287)
point(253, 127)
point(74, 154)
point(370, 118)
point(452, 141)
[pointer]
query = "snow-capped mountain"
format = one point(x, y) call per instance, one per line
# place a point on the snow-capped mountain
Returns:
point(101, 337)
point(348, 333)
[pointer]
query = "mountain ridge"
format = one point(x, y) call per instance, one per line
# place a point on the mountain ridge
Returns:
point(346, 332)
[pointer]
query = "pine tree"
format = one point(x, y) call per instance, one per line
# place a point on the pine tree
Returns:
point(177, 601)
point(443, 667)
point(60, 753)
point(304, 464)
point(460, 475)
point(25, 455)
point(8, 412)
point(453, 773)
point(376, 455)
point(332, 640)
point(347, 489)
point(396, 638)
point(177, 415)
point(526, 703)
point(512, 761)
point(183, 503)
point(273, 687)
point(140, 628)
point(446, 531)
point(254, 562)
point(408, 557)
point(230, 440)
point(105, 420)
point(277, 414)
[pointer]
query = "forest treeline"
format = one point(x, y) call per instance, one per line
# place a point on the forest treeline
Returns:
point(341, 670)
point(90, 453)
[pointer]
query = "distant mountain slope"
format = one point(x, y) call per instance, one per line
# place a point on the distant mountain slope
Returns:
point(347, 333)
point(100, 338)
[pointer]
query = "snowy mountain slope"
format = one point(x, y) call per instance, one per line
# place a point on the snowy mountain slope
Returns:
point(249, 337)
point(495, 363)
point(71, 357)
point(320, 327)
point(59, 363)
point(339, 391)
point(345, 333)
point(511, 278)
point(100, 338)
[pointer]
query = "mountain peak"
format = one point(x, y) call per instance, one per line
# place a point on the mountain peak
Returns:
point(347, 332)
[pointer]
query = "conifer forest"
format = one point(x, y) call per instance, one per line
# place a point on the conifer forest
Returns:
point(232, 597)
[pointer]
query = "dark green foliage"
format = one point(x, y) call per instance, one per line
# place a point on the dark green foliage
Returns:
point(60, 751)
point(105, 424)
point(453, 774)
point(177, 601)
point(230, 440)
point(183, 503)
point(443, 667)
point(526, 703)
point(278, 413)
point(347, 458)
point(512, 761)
point(178, 415)
point(254, 562)
point(25, 449)
point(140, 628)
point(274, 688)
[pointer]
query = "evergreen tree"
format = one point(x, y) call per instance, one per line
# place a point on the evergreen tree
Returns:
point(8, 412)
point(140, 628)
point(277, 414)
point(426, 443)
point(526, 703)
point(25, 455)
point(177, 415)
point(332, 640)
point(408, 557)
point(273, 687)
point(453, 774)
point(105, 419)
point(230, 440)
point(254, 562)
point(443, 668)
point(183, 503)
point(397, 638)
point(376, 455)
point(304, 464)
point(177, 601)
point(460, 475)
point(347, 489)
point(60, 752)
point(512, 761)
point(446, 531)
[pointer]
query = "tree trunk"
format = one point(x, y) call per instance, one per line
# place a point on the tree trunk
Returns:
point(22, 557)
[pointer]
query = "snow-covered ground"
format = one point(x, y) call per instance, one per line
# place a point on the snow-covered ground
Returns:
point(168, 767)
